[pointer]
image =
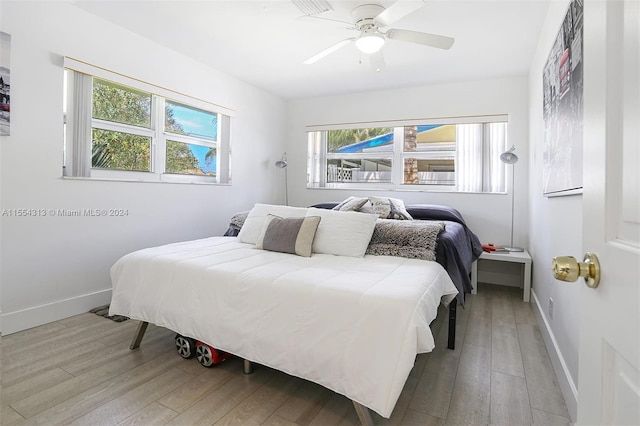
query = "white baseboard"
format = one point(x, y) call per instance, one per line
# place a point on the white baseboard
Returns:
point(12, 322)
point(567, 385)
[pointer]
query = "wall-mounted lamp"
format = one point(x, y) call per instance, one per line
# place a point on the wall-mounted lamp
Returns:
point(509, 157)
point(282, 164)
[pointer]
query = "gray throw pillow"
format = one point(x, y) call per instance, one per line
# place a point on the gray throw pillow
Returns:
point(414, 239)
point(293, 235)
point(351, 204)
point(389, 208)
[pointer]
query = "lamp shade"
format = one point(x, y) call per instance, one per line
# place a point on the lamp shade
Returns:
point(369, 42)
point(509, 157)
point(282, 163)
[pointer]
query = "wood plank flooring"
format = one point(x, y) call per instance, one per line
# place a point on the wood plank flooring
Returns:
point(80, 371)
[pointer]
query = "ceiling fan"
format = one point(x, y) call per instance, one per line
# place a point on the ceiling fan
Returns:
point(370, 20)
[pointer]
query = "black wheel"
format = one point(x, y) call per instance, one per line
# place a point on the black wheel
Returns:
point(185, 346)
point(204, 355)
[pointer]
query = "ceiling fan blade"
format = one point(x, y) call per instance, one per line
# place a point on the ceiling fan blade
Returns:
point(327, 51)
point(377, 61)
point(397, 10)
point(426, 39)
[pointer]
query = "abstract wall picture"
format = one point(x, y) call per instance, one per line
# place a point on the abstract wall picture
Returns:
point(5, 84)
point(562, 83)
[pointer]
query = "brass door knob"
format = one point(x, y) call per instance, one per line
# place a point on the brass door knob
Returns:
point(567, 268)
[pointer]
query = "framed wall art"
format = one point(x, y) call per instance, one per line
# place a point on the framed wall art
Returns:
point(562, 83)
point(5, 84)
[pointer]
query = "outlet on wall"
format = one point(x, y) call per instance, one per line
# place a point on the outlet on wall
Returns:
point(551, 308)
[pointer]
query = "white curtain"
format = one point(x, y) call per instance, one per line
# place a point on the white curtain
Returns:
point(469, 161)
point(81, 113)
point(497, 145)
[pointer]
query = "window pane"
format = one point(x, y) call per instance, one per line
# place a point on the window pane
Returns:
point(430, 138)
point(348, 170)
point(185, 120)
point(189, 159)
point(436, 171)
point(120, 151)
point(438, 143)
point(374, 139)
point(120, 104)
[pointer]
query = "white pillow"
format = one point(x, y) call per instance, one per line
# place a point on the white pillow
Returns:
point(343, 233)
point(254, 223)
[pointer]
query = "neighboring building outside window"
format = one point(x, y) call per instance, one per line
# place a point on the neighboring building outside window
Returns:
point(461, 156)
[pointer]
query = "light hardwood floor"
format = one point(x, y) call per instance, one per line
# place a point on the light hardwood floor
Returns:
point(80, 371)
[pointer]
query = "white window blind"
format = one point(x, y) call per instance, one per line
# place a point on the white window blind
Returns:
point(79, 122)
point(469, 150)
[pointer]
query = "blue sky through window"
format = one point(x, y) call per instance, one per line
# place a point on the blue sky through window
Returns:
point(200, 152)
point(197, 123)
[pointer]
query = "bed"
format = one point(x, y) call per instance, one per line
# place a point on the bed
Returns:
point(338, 311)
point(457, 248)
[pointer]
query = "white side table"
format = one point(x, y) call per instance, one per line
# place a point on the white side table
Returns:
point(521, 257)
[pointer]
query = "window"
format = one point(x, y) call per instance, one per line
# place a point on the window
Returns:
point(448, 155)
point(121, 128)
point(191, 140)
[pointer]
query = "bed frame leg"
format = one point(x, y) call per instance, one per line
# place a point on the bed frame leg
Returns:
point(142, 327)
point(363, 414)
point(247, 367)
point(451, 344)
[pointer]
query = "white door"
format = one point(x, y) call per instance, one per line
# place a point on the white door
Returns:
point(609, 379)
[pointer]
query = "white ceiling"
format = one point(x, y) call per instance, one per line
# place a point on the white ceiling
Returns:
point(264, 42)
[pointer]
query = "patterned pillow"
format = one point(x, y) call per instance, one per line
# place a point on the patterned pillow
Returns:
point(415, 239)
point(288, 235)
point(389, 208)
point(351, 204)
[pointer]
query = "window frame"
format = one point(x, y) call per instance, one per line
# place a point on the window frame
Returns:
point(156, 132)
point(317, 155)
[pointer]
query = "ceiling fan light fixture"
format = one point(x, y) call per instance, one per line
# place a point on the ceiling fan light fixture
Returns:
point(369, 43)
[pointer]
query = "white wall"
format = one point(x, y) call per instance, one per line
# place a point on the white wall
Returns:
point(55, 267)
point(488, 215)
point(556, 230)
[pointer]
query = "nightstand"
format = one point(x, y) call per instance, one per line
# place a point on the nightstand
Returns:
point(521, 257)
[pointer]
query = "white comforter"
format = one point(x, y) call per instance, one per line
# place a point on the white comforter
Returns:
point(353, 325)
